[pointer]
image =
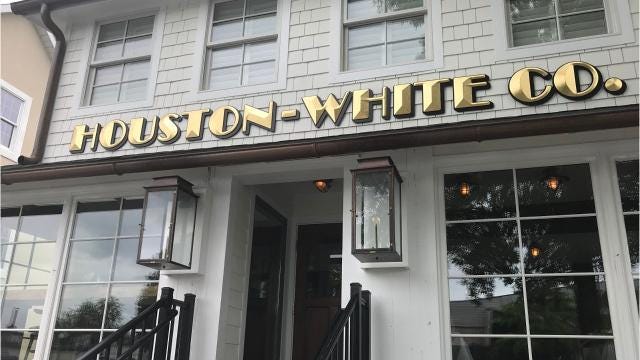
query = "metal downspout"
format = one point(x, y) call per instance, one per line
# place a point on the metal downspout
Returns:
point(52, 89)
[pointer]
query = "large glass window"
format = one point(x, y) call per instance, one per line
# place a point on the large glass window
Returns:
point(28, 254)
point(526, 279)
point(121, 62)
point(103, 287)
point(242, 46)
point(629, 198)
point(541, 21)
point(387, 32)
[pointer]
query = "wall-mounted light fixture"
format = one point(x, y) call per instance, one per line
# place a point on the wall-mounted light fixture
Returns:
point(168, 224)
point(376, 211)
point(323, 185)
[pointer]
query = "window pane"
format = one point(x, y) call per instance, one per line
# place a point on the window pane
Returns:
point(480, 195)
point(18, 344)
point(227, 30)
point(534, 32)
point(10, 106)
point(395, 5)
point(108, 75)
point(405, 52)
point(22, 306)
point(631, 225)
point(628, 183)
point(568, 305)
point(69, 345)
point(137, 46)
point(364, 8)
point(6, 133)
point(367, 57)
point(487, 306)
point(555, 190)
point(223, 78)
point(96, 219)
point(89, 260)
point(227, 10)
point(562, 245)
point(131, 217)
point(405, 29)
point(573, 349)
point(111, 31)
point(582, 25)
point(226, 57)
point(483, 248)
point(109, 50)
point(140, 26)
point(126, 301)
point(157, 222)
point(366, 35)
point(133, 91)
point(567, 6)
point(260, 73)
point(260, 6)
point(29, 263)
point(260, 25)
point(260, 52)
point(531, 9)
point(489, 349)
point(40, 223)
point(136, 70)
point(104, 95)
point(125, 266)
point(81, 307)
point(9, 224)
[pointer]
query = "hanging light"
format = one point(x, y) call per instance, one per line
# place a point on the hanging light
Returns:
point(323, 185)
point(465, 189)
point(552, 178)
point(553, 182)
point(534, 250)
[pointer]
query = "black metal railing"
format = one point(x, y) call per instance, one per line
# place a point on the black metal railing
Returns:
point(150, 334)
point(350, 335)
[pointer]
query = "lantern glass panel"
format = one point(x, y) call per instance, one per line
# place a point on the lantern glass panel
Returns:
point(157, 224)
point(372, 220)
point(184, 227)
point(397, 219)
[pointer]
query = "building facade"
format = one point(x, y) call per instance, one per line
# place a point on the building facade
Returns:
point(512, 124)
point(24, 79)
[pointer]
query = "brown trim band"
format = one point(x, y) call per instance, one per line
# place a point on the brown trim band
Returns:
point(538, 124)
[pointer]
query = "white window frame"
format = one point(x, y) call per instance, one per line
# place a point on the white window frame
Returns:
point(622, 305)
point(433, 43)
point(617, 17)
point(14, 150)
point(80, 107)
point(200, 93)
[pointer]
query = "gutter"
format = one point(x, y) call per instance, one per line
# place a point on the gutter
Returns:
point(52, 85)
point(469, 131)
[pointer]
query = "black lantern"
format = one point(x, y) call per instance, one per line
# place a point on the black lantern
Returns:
point(376, 220)
point(168, 224)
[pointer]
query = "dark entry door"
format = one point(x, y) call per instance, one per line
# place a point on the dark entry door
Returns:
point(266, 282)
point(318, 281)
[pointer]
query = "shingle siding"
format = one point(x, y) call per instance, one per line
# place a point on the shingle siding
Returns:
point(468, 45)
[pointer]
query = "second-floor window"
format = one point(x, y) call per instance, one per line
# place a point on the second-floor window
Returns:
point(383, 32)
point(541, 21)
point(10, 115)
point(242, 45)
point(120, 63)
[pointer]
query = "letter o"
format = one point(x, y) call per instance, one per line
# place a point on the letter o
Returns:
point(108, 133)
point(566, 80)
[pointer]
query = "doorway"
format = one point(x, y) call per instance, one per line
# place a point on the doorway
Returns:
point(318, 284)
point(266, 284)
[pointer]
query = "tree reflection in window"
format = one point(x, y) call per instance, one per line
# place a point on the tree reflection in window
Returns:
point(525, 259)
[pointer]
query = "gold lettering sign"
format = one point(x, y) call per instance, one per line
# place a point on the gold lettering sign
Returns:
point(529, 86)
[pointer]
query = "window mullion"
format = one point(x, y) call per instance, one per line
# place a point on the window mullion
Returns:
point(244, 46)
point(558, 29)
point(121, 79)
point(386, 60)
point(385, 17)
point(522, 267)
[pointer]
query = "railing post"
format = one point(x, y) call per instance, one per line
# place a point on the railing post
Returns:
point(366, 325)
point(356, 321)
point(183, 344)
point(166, 296)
